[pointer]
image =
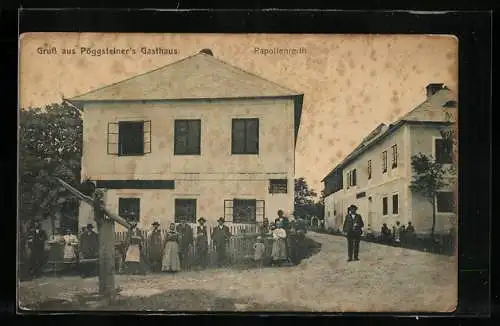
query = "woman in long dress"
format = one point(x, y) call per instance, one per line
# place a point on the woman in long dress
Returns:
point(202, 243)
point(279, 251)
point(134, 263)
point(70, 243)
point(171, 261)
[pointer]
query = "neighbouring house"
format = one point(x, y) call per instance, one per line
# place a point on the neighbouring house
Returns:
point(195, 138)
point(377, 174)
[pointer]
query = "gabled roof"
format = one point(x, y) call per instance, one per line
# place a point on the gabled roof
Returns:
point(200, 76)
point(434, 109)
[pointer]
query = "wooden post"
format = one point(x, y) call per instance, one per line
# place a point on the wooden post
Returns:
point(105, 221)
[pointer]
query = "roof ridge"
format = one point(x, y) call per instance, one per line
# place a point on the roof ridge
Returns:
point(251, 73)
point(134, 76)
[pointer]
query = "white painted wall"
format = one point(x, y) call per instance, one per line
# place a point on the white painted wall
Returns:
point(211, 177)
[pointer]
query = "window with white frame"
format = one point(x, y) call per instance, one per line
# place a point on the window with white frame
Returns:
point(385, 206)
point(394, 156)
point(384, 161)
point(129, 138)
point(395, 204)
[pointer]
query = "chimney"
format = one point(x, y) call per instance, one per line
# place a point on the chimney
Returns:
point(207, 51)
point(433, 88)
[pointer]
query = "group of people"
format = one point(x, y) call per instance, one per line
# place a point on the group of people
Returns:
point(399, 233)
point(173, 252)
point(285, 239)
point(38, 247)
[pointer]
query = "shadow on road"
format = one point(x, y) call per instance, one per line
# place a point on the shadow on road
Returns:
point(168, 301)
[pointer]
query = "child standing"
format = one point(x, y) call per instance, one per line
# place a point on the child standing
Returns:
point(259, 249)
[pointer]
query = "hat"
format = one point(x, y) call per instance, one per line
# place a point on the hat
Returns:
point(353, 207)
point(221, 219)
point(201, 219)
point(155, 223)
point(90, 226)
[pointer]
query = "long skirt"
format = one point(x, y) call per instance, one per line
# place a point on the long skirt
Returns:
point(133, 262)
point(171, 261)
point(279, 251)
point(69, 254)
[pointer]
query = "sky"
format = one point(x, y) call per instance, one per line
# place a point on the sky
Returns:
point(351, 83)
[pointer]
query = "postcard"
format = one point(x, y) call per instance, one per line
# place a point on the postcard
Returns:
point(237, 172)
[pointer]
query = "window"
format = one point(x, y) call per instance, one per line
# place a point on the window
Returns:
point(394, 156)
point(185, 210)
point(369, 169)
point(443, 151)
point(444, 202)
point(384, 161)
point(129, 208)
point(244, 210)
point(187, 137)
point(245, 136)
point(348, 179)
point(384, 206)
point(129, 138)
point(395, 204)
point(278, 186)
point(353, 177)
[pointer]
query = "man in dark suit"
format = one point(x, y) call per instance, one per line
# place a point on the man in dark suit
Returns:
point(186, 241)
point(220, 238)
point(353, 228)
point(36, 244)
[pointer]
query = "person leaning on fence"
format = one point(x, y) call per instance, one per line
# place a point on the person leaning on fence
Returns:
point(185, 243)
point(171, 262)
point(155, 242)
point(220, 238)
point(202, 243)
point(134, 258)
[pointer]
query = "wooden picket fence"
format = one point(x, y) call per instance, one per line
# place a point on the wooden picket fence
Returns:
point(240, 246)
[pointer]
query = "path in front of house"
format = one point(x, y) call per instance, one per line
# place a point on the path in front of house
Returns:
point(385, 279)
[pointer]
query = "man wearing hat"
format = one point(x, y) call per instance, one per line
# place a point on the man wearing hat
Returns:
point(353, 228)
point(185, 242)
point(155, 248)
point(89, 249)
point(220, 238)
point(202, 243)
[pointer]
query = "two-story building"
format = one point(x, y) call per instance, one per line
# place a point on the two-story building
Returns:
point(195, 138)
point(377, 174)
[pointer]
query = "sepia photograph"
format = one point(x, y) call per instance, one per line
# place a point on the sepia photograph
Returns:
point(237, 172)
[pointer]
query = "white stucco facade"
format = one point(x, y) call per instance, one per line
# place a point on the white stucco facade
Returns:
point(213, 176)
point(409, 138)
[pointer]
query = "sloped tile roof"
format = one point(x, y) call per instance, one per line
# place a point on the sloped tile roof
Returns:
point(200, 76)
point(434, 109)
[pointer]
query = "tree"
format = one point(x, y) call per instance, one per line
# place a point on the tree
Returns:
point(50, 145)
point(430, 176)
point(304, 199)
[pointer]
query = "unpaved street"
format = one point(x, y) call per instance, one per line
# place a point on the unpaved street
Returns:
point(385, 279)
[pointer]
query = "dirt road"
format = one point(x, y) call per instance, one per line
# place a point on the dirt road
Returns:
point(385, 279)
